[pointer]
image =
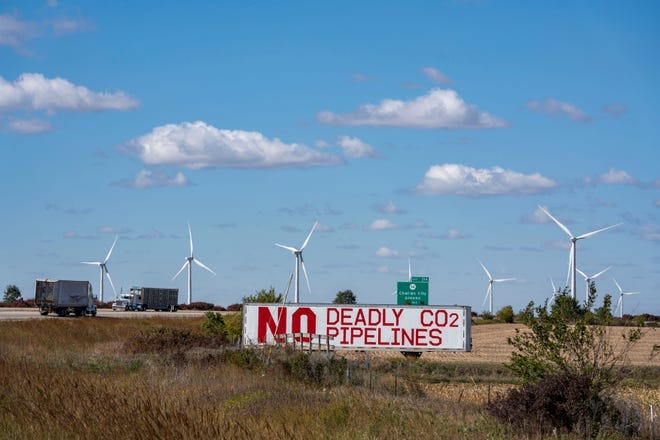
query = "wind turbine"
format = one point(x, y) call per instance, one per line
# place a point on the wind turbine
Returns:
point(103, 265)
point(554, 289)
point(299, 262)
point(589, 278)
point(619, 304)
point(571, 261)
point(489, 290)
point(189, 261)
point(409, 276)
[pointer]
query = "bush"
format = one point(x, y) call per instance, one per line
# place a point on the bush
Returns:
point(505, 314)
point(214, 324)
point(199, 305)
point(235, 307)
point(565, 402)
point(264, 296)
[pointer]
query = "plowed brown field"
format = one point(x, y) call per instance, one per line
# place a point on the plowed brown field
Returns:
point(489, 344)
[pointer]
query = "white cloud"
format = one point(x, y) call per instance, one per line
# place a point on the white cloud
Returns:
point(554, 107)
point(537, 217)
point(112, 230)
point(156, 178)
point(435, 75)
point(616, 177)
point(355, 148)
point(615, 109)
point(381, 225)
point(437, 109)
point(386, 252)
point(462, 180)
point(199, 145)
point(389, 208)
point(13, 31)
point(455, 234)
point(649, 232)
point(28, 126)
point(33, 91)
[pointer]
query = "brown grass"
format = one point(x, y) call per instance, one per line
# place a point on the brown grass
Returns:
point(77, 378)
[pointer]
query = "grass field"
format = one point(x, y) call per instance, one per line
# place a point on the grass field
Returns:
point(161, 378)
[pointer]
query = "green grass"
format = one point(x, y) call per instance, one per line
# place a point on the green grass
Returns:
point(163, 378)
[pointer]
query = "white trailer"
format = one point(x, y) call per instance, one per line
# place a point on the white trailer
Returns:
point(64, 297)
point(409, 329)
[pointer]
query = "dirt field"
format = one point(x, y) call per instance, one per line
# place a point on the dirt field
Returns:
point(489, 345)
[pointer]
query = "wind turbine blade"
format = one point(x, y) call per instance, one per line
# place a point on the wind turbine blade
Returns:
point(191, 243)
point(302, 263)
point(486, 297)
point(570, 265)
point(200, 264)
point(630, 293)
point(618, 303)
point(584, 275)
point(554, 289)
point(309, 236)
point(617, 285)
point(409, 271)
point(180, 270)
point(107, 274)
point(560, 224)
point(592, 233)
point(501, 280)
point(288, 248)
point(485, 270)
point(593, 277)
point(96, 263)
point(107, 257)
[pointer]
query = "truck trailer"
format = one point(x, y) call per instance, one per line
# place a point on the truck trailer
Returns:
point(64, 297)
point(144, 298)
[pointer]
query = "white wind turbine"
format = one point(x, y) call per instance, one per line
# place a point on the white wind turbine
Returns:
point(489, 290)
point(619, 304)
point(396, 292)
point(189, 261)
point(554, 290)
point(571, 262)
point(299, 262)
point(103, 265)
point(589, 278)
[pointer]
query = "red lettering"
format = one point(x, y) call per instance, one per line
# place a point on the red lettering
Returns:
point(346, 316)
point(374, 320)
point(332, 316)
point(266, 321)
point(454, 322)
point(310, 320)
point(423, 321)
point(397, 316)
point(407, 337)
point(370, 335)
point(435, 336)
point(360, 319)
point(420, 337)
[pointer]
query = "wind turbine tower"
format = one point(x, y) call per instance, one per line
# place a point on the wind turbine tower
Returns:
point(103, 265)
point(491, 281)
point(298, 253)
point(189, 261)
point(574, 239)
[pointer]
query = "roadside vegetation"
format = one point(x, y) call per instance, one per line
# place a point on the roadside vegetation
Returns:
point(184, 378)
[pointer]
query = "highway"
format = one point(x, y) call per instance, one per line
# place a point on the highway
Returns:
point(11, 313)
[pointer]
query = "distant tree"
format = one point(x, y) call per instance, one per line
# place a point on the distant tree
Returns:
point(345, 297)
point(12, 293)
point(486, 316)
point(264, 296)
point(505, 314)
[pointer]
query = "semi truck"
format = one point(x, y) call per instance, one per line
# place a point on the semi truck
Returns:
point(64, 297)
point(145, 298)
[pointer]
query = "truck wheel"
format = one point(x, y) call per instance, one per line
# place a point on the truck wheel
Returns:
point(94, 313)
point(43, 312)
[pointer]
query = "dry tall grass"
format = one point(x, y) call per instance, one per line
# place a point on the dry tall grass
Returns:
point(79, 378)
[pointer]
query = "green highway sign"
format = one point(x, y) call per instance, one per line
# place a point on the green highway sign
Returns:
point(413, 292)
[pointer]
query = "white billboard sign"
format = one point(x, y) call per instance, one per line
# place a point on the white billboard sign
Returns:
point(363, 327)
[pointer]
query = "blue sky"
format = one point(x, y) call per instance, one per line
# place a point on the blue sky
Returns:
point(423, 130)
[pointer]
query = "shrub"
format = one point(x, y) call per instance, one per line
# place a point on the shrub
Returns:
point(235, 307)
point(505, 314)
point(214, 324)
point(565, 402)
